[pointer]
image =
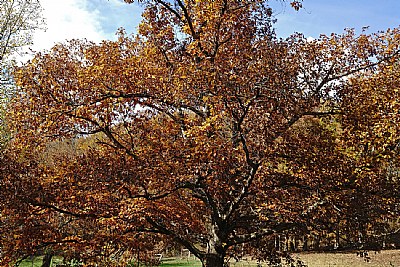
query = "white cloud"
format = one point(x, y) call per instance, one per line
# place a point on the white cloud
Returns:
point(68, 19)
point(65, 20)
point(94, 20)
point(117, 2)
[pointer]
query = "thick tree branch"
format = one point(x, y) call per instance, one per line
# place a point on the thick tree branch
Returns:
point(188, 19)
point(63, 211)
point(170, 9)
point(191, 247)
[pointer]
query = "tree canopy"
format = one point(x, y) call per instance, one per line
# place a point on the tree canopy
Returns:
point(205, 130)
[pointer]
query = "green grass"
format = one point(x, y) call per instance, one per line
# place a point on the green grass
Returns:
point(26, 263)
point(174, 262)
point(37, 262)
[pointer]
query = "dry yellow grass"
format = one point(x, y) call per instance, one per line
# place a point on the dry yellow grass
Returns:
point(386, 258)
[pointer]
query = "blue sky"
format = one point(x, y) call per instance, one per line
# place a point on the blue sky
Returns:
point(317, 16)
point(97, 20)
point(116, 14)
point(327, 16)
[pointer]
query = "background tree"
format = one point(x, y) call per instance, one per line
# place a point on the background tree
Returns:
point(18, 20)
point(206, 131)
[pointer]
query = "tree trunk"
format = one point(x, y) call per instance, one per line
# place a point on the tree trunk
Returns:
point(215, 256)
point(213, 260)
point(47, 259)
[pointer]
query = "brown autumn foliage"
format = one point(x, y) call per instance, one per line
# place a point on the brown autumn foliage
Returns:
point(203, 130)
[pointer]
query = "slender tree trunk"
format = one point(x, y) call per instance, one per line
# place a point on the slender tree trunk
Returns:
point(337, 236)
point(47, 259)
point(305, 243)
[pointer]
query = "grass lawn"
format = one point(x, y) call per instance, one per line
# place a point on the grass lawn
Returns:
point(386, 258)
point(176, 262)
point(37, 262)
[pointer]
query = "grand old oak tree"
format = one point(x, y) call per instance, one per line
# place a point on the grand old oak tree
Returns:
point(203, 130)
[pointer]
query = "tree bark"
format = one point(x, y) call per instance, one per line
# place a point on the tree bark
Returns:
point(213, 260)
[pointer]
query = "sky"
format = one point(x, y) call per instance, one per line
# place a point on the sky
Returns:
point(98, 20)
point(333, 16)
point(94, 20)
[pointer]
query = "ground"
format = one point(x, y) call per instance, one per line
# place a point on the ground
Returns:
point(386, 258)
